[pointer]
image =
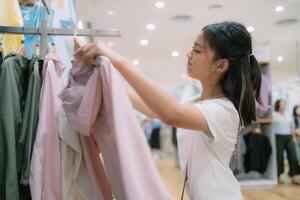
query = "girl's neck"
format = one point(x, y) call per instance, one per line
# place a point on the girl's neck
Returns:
point(215, 92)
point(281, 112)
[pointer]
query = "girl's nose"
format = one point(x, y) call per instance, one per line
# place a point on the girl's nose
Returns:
point(188, 55)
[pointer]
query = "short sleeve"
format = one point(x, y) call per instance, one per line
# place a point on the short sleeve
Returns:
point(222, 120)
point(275, 117)
point(191, 100)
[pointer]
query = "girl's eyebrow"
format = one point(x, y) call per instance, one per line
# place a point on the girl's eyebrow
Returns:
point(198, 45)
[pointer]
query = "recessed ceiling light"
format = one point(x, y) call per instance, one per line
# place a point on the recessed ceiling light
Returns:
point(79, 25)
point(250, 29)
point(144, 42)
point(160, 4)
point(279, 8)
point(110, 44)
point(111, 12)
point(175, 53)
point(150, 27)
point(135, 62)
point(279, 58)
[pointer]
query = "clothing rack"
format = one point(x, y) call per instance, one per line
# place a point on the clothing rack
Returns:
point(44, 32)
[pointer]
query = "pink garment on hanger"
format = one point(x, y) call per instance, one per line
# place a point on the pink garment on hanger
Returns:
point(45, 172)
point(75, 95)
point(265, 91)
point(97, 106)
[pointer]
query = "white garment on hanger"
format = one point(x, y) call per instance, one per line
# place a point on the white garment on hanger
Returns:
point(75, 180)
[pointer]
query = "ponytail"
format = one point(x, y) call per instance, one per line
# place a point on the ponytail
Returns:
point(241, 85)
point(255, 76)
point(250, 90)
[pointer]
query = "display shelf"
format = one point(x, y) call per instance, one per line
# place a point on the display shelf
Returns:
point(269, 178)
point(263, 121)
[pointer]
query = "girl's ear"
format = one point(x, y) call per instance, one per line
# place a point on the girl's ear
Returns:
point(222, 65)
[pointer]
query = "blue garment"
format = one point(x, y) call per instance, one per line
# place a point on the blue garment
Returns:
point(32, 17)
point(65, 17)
point(282, 124)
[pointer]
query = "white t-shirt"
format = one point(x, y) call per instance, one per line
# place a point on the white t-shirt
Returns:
point(283, 125)
point(206, 157)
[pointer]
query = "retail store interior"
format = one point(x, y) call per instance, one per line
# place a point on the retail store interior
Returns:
point(155, 36)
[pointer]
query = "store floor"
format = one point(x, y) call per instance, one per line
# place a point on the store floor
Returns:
point(172, 177)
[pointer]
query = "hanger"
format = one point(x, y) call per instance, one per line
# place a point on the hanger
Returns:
point(21, 50)
point(37, 49)
point(257, 130)
point(52, 47)
point(77, 43)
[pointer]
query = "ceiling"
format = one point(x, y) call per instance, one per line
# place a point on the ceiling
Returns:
point(132, 16)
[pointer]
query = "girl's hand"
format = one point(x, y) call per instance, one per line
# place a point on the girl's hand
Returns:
point(91, 51)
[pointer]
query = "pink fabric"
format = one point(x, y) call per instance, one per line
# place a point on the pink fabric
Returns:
point(97, 106)
point(73, 97)
point(45, 174)
point(265, 91)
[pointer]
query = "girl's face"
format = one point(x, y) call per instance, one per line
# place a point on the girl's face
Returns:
point(282, 105)
point(200, 62)
point(298, 111)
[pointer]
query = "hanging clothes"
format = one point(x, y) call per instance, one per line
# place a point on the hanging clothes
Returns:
point(10, 16)
point(13, 84)
point(1, 55)
point(45, 170)
point(1, 58)
point(258, 152)
point(71, 101)
point(30, 118)
point(265, 92)
point(32, 17)
point(75, 180)
point(93, 107)
point(155, 135)
point(241, 151)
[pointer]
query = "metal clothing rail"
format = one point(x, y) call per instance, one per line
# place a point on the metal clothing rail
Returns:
point(44, 32)
point(60, 31)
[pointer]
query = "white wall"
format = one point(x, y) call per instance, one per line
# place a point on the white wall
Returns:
point(288, 68)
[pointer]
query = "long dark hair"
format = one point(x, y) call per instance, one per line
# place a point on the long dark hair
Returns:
point(295, 115)
point(241, 83)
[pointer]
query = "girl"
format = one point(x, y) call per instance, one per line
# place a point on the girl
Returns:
point(221, 59)
point(296, 116)
point(285, 140)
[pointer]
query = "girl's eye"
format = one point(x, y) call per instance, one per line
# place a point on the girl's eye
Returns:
point(196, 51)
